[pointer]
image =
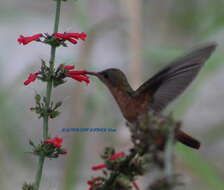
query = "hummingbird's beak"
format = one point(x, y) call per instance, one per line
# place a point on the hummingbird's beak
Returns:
point(92, 73)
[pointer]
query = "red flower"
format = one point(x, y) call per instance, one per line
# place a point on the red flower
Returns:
point(80, 78)
point(95, 182)
point(25, 40)
point(72, 37)
point(31, 78)
point(77, 36)
point(98, 167)
point(79, 75)
point(113, 157)
point(56, 141)
point(117, 155)
point(65, 153)
point(68, 67)
point(92, 181)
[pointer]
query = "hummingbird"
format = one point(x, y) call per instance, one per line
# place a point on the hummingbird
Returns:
point(158, 91)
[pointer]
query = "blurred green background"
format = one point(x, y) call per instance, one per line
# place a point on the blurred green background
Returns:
point(137, 36)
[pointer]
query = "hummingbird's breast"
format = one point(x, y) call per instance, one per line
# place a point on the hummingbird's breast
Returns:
point(132, 106)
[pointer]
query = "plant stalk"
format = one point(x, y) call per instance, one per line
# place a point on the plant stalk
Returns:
point(48, 95)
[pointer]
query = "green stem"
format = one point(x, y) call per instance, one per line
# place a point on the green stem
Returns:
point(48, 96)
point(57, 15)
point(39, 172)
point(51, 62)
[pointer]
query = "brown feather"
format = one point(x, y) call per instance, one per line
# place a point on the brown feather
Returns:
point(170, 82)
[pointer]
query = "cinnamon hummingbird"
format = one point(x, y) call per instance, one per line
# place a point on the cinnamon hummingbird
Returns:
point(161, 89)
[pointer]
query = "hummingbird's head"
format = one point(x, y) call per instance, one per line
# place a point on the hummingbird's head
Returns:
point(113, 78)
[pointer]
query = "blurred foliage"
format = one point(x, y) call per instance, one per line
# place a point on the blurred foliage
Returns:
point(10, 125)
point(201, 167)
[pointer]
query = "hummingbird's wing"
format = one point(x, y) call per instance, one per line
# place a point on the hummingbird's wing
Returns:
point(170, 82)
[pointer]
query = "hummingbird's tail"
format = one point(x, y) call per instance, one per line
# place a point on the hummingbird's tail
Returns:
point(188, 140)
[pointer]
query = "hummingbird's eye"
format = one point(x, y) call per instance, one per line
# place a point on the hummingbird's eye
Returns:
point(106, 75)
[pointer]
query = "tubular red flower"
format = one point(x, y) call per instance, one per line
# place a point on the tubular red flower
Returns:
point(71, 37)
point(60, 35)
point(113, 157)
point(68, 67)
point(95, 182)
point(117, 155)
point(92, 181)
point(25, 40)
point(31, 78)
point(78, 72)
point(78, 75)
point(98, 167)
point(77, 36)
point(80, 78)
point(73, 41)
point(56, 141)
point(64, 153)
